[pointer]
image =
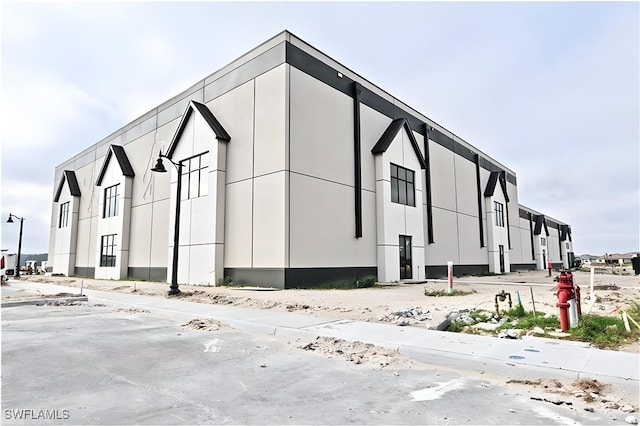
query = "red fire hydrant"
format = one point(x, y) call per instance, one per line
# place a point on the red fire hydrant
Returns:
point(565, 294)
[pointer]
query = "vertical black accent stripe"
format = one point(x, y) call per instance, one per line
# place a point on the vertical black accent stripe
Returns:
point(506, 206)
point(559, 242)
point(503, 183)
point(430, 238)
point(357, 158)
point(533, 251)
point(476, 160)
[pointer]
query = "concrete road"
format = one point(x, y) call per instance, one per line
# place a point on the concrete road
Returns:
point(95, 364)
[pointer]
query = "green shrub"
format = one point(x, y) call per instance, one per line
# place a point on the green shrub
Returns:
point(368, 281)
point(441, 293)
point(517, 312)
point(601, 331)
point(225, 281)
point(365, 282)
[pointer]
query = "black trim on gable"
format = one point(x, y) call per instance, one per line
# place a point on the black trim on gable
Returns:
point(70, 177)
point(491, 184)
point(562, 230)
point(389, 135)
point(219, 131)
point(540, 222)
point(123, 162)
point(503, 185)
point(74, 188)
point(494, 178)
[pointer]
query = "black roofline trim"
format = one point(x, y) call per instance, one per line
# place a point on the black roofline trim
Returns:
point(70, 177)
point(389, 135)
point(314, 67)
point(218, 130)
point(123, 162)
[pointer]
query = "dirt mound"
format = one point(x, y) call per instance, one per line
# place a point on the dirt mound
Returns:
point(206, 324)
point(357, 352)
point(585, 391)
point(133, 311)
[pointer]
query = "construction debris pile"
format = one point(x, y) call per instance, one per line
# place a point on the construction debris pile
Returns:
point(406, 316)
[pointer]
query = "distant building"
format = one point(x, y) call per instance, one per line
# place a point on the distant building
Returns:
point(617, 258)
point(296, 172)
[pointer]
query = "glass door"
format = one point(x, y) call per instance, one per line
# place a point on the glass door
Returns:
point(405, 257)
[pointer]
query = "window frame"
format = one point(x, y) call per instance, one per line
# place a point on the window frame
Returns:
point(195, 177)
point(498, 209)
point(63, 217)
point(403, 185)
point(111, 201)
point(108, 244)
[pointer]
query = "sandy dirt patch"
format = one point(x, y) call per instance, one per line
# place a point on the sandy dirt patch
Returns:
point(385, 302)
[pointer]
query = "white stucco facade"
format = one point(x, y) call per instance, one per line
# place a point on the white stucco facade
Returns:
point(296, 171)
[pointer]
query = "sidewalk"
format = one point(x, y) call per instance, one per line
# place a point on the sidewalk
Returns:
point(529, 358)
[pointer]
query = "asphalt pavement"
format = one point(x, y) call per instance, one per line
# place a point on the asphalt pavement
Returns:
point(527, 358)
point(90, 363)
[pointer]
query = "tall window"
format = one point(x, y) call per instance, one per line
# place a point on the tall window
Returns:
point(110, 201)
point(195, 177)
point(402, 186)
point(108, 250)
point(64, 215)
point(499, 210)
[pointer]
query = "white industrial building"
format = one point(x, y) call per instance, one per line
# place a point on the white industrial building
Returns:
point(296, 171)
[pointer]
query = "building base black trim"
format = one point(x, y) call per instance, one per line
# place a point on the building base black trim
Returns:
point(259, 277)
point(84, 272)
point(442, 271)
point(523, 267)
point(147, 274)
point(286, 278)
point(314, 277)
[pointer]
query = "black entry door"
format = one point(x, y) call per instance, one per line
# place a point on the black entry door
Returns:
point(501, 247)
point(405, 257)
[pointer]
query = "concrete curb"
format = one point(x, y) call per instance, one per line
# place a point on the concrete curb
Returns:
point(44, 301)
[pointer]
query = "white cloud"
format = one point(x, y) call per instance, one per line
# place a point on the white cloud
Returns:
point(38, 108)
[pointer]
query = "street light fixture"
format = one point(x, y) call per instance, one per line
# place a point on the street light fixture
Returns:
point(10, 220)
point(159, 168)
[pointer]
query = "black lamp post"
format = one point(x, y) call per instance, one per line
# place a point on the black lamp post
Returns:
point(10, 220)
point(159, 167)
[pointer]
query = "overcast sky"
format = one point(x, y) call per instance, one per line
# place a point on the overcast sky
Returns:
point(551, 90)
